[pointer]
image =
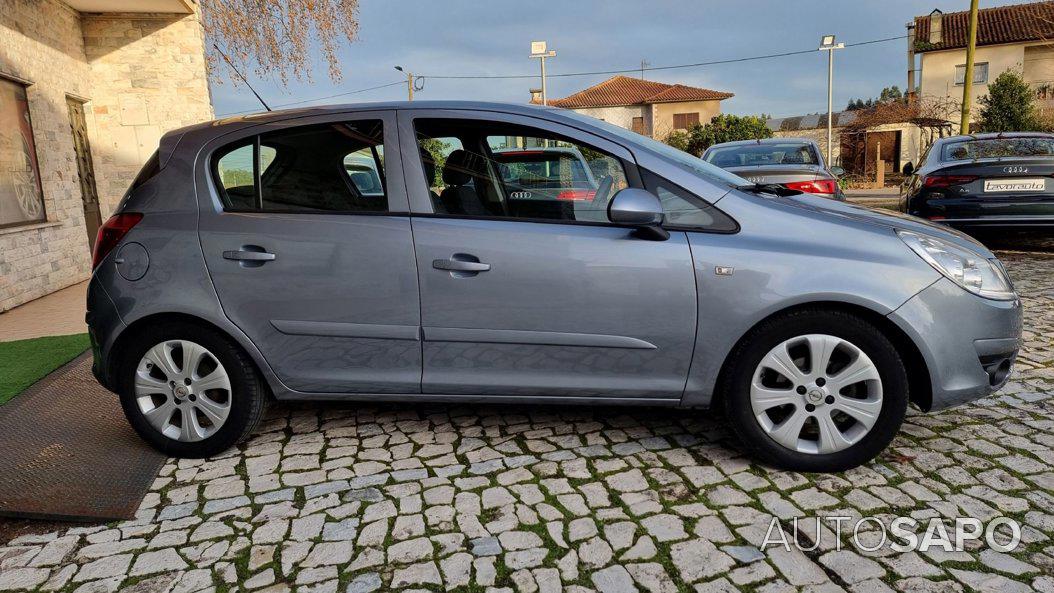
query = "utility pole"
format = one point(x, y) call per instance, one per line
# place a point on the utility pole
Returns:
point(828, 45)
point(540, 51)
point(409, 82)
point(971, 42)
point(910, 94)
point(643, 66)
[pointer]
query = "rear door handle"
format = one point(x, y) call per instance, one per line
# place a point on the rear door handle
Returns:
point(243, 255)
point(461, 265)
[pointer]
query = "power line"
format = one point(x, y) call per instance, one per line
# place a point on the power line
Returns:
point(290, 104)
point(650, 68)
point(572, 74)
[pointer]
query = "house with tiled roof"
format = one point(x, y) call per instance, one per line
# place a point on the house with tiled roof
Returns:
point(645, 106)
point(1016, 36)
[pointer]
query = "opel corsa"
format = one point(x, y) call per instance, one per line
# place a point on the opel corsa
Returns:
point(417, 252)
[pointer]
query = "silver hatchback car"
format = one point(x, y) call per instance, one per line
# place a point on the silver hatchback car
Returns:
point(248, 263)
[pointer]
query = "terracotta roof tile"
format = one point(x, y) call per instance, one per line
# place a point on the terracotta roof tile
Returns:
point(1001, 24)
point(623, 90)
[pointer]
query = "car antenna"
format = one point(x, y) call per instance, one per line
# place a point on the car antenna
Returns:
point(233, 67)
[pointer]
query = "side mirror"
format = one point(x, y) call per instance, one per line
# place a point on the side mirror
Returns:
point(837, 171)
point(908, 168)
point(639, 208)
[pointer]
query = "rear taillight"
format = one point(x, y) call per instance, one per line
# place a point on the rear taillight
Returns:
point(819, 186)
point(111, 233)
point(947, 180)
point(576, 194)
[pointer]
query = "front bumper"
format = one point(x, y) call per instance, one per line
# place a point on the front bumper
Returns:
point(967, 342)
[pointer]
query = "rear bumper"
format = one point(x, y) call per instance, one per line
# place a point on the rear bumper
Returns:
point(968, 343)
point(1022, 222)
point(104, 324)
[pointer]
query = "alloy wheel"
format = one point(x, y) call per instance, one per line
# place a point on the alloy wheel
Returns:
point(816, 394)
point(183, 390)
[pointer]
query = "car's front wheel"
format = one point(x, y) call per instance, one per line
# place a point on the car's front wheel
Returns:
point(188, 391)
point(816, 391)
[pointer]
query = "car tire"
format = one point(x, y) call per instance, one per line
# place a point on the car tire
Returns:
point(242, 398)
point(754, 394)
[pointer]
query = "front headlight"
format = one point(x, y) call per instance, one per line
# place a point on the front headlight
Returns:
point(967, 268)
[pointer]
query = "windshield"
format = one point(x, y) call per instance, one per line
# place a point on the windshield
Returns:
point(683, 159)
point(992, 148)
point(758, 155)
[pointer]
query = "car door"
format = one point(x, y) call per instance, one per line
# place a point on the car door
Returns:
point(310, 258)
point(533, 293)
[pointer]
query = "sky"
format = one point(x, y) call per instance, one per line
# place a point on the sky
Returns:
point(492, 37)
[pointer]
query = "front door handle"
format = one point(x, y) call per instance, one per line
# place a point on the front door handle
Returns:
point(242, 255)
point(461, 265)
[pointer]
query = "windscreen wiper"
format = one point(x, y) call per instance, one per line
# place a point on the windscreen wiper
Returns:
point(769, 188)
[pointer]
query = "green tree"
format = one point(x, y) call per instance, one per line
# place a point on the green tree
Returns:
point(723, 128)
point(678, 139)
point(888, 95)
point(438, 150)
point(1009, 106)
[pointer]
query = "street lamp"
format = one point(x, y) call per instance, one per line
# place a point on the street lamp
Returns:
point(539, 50)
point(409, 82)
point(828, 45)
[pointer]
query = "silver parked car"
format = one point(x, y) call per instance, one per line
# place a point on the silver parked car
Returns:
point(246, 264)
point(794, 163)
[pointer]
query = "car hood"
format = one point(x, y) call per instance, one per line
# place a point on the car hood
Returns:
point(886, 218)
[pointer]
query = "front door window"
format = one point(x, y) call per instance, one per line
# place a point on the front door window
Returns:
point(501, 170)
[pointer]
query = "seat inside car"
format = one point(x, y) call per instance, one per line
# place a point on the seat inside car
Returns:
point(462, 174)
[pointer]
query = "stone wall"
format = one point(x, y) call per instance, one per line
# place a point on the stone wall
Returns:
point(141, 75)
point(40, 41)
point(148, 77)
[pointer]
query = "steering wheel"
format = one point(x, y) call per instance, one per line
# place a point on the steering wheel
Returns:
point(602, 190)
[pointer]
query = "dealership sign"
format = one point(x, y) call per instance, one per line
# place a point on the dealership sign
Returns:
point(902, 534)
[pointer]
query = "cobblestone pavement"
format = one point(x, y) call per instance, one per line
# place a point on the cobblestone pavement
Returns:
point(349, 499)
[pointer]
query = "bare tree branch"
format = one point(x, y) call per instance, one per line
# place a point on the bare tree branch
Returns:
point(273, 37)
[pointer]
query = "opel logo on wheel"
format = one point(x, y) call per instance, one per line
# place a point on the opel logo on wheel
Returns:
point(1015, 169)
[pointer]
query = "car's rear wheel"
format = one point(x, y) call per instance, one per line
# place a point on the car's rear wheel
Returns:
point(189, 391)
point(816, 391)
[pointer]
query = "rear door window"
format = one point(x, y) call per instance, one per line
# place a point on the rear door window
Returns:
point(336, 167)
point(234, 172)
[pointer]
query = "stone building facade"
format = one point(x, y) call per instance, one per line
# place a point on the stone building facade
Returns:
point(100, 83)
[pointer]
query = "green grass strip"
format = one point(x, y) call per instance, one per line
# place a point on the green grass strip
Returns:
point(24, 362)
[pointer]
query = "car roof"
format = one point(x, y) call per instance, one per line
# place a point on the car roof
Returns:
point(204, 131)
point(263, 117)
point(994, 136)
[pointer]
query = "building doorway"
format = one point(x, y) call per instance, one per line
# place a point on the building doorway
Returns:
point(85, 170)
